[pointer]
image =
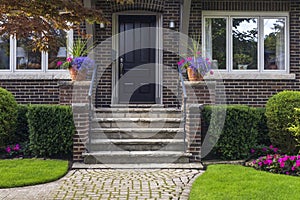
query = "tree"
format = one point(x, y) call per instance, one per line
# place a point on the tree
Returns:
point(39, 19)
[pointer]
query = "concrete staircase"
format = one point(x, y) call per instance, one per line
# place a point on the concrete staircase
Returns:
point(135, 135)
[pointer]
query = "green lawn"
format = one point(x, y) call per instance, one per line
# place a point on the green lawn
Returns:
point(238, 182)
point(21, 172)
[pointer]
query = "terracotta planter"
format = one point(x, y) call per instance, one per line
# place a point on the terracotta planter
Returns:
point(81, 75)
point(194, 76)
point(73, 73)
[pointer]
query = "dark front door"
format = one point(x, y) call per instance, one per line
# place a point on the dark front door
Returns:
point(137, 40)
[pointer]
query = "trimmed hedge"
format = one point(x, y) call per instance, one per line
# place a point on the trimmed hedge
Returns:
point(8, 116)
point(51, 130)
point(240, 133)
point(280, 112)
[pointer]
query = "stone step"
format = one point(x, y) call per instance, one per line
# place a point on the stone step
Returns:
point(137, 145)
point(137, 106)
point(137, 113)
point(136, 133)
point(135, 157)
point(137, 122)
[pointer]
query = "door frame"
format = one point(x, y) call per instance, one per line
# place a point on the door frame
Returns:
point(158, 55)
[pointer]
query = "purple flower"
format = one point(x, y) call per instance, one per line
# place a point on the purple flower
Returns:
point(271, 147)
point(8, 149)
point(17, 147)
point(293, 168)
point(252, 151)
point(264, 149)
point(292, 158)
point(260, 164)
point(275, 150)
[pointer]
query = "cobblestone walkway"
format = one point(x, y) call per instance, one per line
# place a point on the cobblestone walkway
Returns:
point(112, 184)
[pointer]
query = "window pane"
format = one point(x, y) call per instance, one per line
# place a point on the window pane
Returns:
point(244, 33)
point(27, 59)
point(274, 43)
point(57, 53)
point(4, 53)
point(215, 41)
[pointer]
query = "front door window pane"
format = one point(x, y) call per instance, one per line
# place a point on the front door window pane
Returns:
point(274, 44)
point(215, 41)
point(27, 58)
point(245, 40)
point(4, 53)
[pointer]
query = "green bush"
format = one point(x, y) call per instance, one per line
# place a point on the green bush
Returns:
point(21, 134)
point(295, 128)
point(8, 116)
point(263, 138)
point(240, 132)
point(51, 130)
point(280, 112)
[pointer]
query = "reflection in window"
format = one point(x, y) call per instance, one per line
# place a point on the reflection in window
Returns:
point(215, 40)
point(245, 40)
point(4, 53)
point(27, 59)
point(58, 51)
point(274, 43)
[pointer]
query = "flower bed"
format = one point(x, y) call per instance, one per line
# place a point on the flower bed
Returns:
point(277, 163)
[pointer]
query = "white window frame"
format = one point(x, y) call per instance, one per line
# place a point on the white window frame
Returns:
point(44, 58)
point(229, 16)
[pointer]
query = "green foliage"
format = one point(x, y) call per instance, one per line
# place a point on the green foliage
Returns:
point(280, 112)
point(23, 172)
point(239, 134)
point(8, 115)
point(295, 128)
point(236, 182)
point(51, 130)
point(22, 133)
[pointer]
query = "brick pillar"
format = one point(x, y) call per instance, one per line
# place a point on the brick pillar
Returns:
point(199, 93)
point(75, 93)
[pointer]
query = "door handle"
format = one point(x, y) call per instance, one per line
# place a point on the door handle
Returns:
point(121, 66)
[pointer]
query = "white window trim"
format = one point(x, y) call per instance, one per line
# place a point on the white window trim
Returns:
point(43, 73)
point(260, 73)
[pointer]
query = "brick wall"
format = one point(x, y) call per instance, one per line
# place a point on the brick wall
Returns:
point(33, 91)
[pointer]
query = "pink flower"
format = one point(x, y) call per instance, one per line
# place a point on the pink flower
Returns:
point(292, 158)
point(275, 150)
point(17, 147)
point(8, 150)
point(69, 59)
point(260, 163)
point(271, 147)
point(287, 173)
point(298, 163)
point(59, 63)
point(282, 164)
point(252, 151)
point(198, 53)
point(264, 149)
point(211, 72)
point(189, 58)
point(293, 168)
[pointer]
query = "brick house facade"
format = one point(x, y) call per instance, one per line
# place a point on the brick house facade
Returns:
point(234, 87)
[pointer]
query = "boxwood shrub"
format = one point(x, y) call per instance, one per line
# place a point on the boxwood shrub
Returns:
point(280, 112)
point(8, 116)
point(240, 132)
point(51, 130)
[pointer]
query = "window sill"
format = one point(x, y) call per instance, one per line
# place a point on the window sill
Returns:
point(65, 75)
point(251, 76)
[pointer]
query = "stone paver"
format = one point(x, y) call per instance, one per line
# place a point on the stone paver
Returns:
point(114, 184)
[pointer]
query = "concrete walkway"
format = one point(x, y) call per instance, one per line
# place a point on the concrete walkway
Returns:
point(122, 184)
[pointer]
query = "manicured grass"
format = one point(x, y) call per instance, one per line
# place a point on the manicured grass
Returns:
point(238, 182)
point(22, 172)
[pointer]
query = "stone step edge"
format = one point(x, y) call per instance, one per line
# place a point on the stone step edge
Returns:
point(197, 166)
point(137, 153)
point(136, 141)
point(144, 130)
point(131, 119)
point(148, 110)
